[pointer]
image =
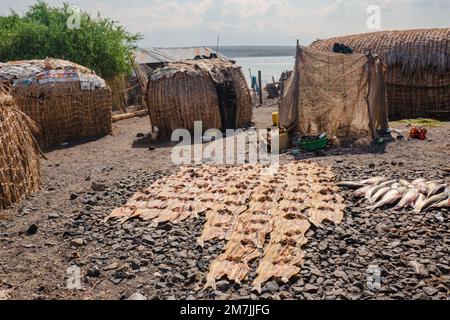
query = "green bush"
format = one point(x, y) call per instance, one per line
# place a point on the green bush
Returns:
point(100, 43)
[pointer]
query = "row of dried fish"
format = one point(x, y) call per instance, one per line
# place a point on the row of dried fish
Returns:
point(310, 197)
point(421, 195)
point(245, 205)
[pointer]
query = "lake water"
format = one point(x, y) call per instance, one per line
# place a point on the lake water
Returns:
point(269, 66)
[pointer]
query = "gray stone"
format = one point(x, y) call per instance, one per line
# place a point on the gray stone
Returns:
point(135, 264)
point(177, 278)
point(137, 297)
point(323, 245)
point(111, 266)
point(316, 272)
point(340, 274)
point(98, 187)
point(430, 291)
point(93, 273)
point(311, 288)
point(78, 242)
point(223, 285)
point(342, 246)
point(53, 215)
point(270, 287)
point(148, 240)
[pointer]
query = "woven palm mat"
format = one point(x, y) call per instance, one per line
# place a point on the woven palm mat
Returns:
point(244, 205)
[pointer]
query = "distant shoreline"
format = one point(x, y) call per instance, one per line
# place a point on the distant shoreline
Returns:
point(256, 51)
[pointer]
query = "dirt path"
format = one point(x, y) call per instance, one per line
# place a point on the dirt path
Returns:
point(118, 260)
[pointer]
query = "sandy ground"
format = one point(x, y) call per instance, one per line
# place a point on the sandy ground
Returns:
point(117, 260)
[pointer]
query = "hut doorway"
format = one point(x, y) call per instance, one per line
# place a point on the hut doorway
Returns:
point(227, 104)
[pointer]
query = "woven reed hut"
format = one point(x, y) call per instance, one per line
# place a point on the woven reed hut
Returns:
point(418, 75)
point(119, 92)
point(19, 153)
point(67, 101)
point(213, 91)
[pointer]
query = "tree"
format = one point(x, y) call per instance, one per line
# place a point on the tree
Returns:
point(100, 43)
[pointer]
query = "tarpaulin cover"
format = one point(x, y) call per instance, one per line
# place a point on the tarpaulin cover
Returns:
point(342, 95)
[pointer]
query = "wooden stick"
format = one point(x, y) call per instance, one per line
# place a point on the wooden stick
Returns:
point(260, 88)
point(120, 117)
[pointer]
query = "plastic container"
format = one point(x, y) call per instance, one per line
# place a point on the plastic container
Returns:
point(275, 119)
point(312, 145)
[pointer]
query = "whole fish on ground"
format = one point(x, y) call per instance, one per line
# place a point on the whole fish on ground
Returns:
point(431, 201)
point(373, 181)
point(406, 184)
point(350, 185)
point(436, 189)
point(389, 198)
point(380, 193)
point(442, 204)
point(421, 185)
point(419, 180)
point(408, 199)
point(431, 186)
point(361, 192)
point(420, 200)
point(375, 189)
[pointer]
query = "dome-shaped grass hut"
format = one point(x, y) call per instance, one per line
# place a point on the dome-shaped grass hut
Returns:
point(19, 153)
point(213, 91)
point(67, 101)
point(418, 75)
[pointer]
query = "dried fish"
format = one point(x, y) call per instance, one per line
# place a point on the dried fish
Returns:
point(389, 198)
point(408, 199)
point(435, 189)
point(378, 187)
point(350, 185)
point(244, 204)
point(373, 181)
point(361, 192)
point(431, 201)
point(380, 193)
point(442, 204)
point(421, 185)
point(419, 202)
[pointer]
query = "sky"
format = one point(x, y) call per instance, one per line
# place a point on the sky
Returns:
point(173, 23)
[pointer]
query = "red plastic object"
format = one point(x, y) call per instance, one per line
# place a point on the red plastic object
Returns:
point(418, 133)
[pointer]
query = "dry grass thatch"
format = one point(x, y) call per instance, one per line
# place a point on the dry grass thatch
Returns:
point(67, 101)
point(183, 92)
point(19, 153)
point(418, 76)
point(119, 93)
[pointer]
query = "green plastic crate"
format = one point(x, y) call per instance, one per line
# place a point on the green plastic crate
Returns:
point(314, 144)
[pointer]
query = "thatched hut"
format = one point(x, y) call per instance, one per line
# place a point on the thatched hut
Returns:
point(19, 153)
point(418, 75)
point(213, 91)
point(119, 93)
point(67, 101)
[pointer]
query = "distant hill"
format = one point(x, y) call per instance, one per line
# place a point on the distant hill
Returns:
point(256, 51)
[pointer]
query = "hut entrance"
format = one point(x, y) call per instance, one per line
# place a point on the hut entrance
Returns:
point(227, 104)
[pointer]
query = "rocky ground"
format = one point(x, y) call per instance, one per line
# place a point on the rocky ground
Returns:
point(61, 226)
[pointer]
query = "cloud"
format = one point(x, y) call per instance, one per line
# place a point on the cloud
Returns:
point(334, 10)
point(192, 22)
point(161, 15)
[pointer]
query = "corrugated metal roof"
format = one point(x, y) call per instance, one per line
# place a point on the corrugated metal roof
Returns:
point(161, 55)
